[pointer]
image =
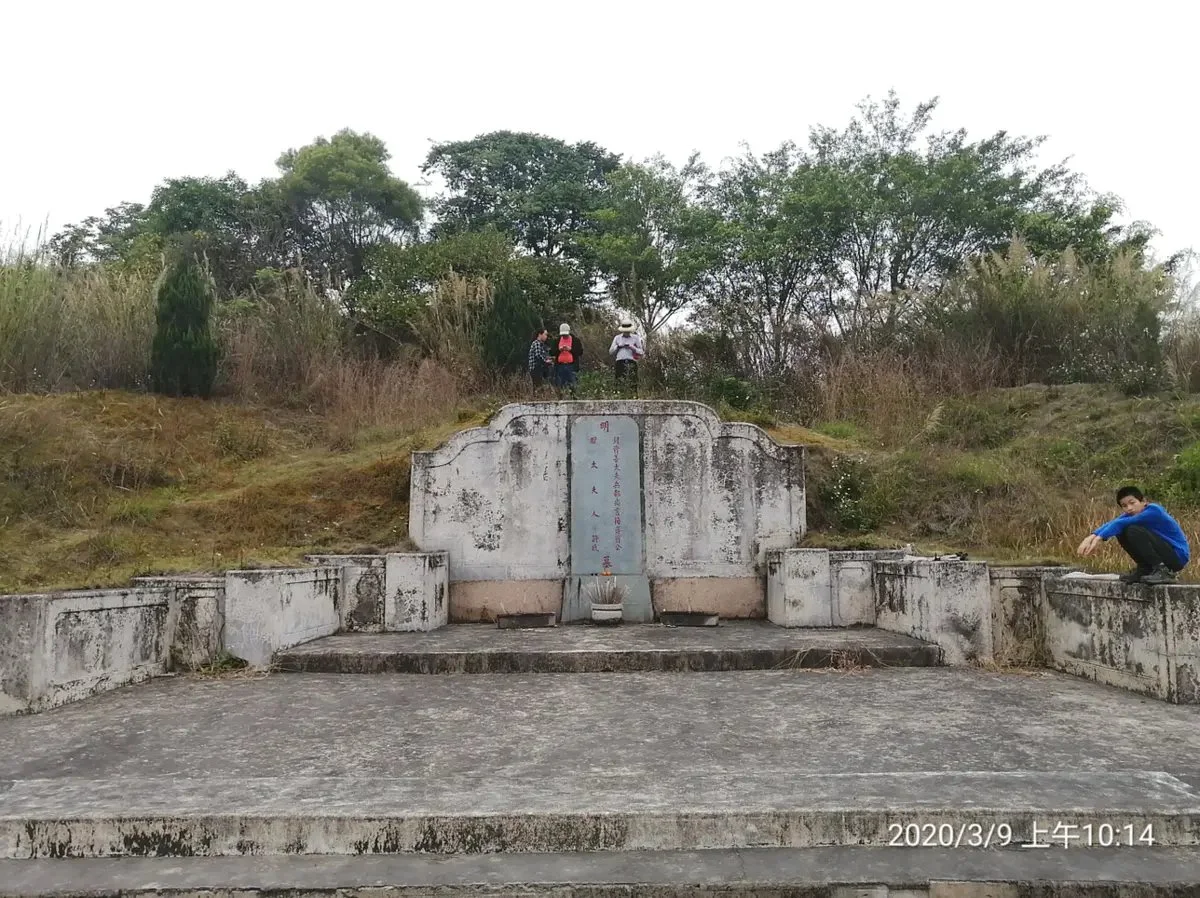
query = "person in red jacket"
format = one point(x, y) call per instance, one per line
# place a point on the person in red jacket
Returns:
point(567, 355)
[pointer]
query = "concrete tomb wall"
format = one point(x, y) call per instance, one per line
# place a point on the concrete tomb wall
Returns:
point(944, 601)
point(662, 494)
point(1140, 638)
point(61, 647)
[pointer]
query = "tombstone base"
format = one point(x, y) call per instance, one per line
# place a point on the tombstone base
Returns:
point(637, 608)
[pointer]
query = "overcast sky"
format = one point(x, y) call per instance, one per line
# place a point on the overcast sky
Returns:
point(104, 99)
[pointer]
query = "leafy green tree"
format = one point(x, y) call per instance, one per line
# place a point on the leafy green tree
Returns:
point(184, 354)
point(650, 242)
point(538, 190)
point(117, 236)
point(344, 201)
point(774, 252)
point(212, 215)
point(400, 279)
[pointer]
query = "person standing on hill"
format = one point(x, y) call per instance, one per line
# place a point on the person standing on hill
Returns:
point(567, 359)
point(1150, 536)
point(539, 359)
point(627, 349)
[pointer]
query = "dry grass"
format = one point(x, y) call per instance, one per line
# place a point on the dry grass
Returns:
point(100, 486)
point(74, 330)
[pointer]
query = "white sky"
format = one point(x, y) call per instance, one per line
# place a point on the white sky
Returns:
point(104, 99)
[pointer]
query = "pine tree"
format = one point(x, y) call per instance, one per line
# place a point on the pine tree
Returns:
point(508, 327)
point(183, 358)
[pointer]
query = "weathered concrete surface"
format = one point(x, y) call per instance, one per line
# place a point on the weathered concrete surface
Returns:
point(363, 592)
point(60, 647)
point(417, 592)
point(1018, 614)
point(1140, 638)
point(798, 588)
point(942, 601)
point(733, 598)
point(270, 610)
point(715, 496)
point(852, 585)
point(333, 764)
point(195, 619)
point(742, 645)
point(766, 873)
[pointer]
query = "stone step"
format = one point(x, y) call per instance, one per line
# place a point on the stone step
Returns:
point(610, 811)
point(763, 873)
point(585, 648)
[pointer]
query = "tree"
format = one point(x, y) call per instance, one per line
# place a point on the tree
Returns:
point(183, 359)
point(774, 247)
point(400, 280)
point(210, 215)
point(344, 201)
point(649, 242)
point(508, 326)
point(117, 236)
point(538, 190)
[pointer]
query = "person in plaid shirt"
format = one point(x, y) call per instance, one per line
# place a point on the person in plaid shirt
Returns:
point(538, 359)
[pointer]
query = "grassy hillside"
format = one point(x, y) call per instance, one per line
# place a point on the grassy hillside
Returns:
point(98, 486)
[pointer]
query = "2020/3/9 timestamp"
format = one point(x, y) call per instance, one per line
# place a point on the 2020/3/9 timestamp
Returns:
point(1060, 833)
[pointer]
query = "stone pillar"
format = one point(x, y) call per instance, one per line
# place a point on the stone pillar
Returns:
point(798, 588)
point(417, 591)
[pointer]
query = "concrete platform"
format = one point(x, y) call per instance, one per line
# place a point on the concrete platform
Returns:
point(764, 873)
point(584, 648)
point(327, 764)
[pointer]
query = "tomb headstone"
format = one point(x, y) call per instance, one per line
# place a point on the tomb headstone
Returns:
point(606, 515)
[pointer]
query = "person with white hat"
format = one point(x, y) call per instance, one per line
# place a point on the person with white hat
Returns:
point(567, 358)
point(627, 349)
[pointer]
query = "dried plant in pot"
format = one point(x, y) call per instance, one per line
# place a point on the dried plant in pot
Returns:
point(607, 598)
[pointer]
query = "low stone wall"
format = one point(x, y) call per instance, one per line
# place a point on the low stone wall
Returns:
point(393, 592)
point(362, 593)
point(195, 620)
point(822, 588)
point(852, 585)
point(944, 601)
point(1018, 614)
point(269, 610)
point(1144, 639)
point(798, 588)
point(60, 647)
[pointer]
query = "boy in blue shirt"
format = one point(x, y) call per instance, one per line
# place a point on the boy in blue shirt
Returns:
point(1150, 536)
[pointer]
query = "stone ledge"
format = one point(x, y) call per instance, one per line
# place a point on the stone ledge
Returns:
point(840, 872)
point(222, 816)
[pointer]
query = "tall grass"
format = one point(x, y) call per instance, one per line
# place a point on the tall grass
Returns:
point(79, 329)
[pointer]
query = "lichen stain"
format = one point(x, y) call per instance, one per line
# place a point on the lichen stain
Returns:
point(368, 594)
point(1072, 608)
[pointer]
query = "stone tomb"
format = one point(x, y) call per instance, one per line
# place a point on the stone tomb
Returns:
point(675, 504)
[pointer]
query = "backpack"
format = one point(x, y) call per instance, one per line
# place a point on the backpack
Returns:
point(565, 345)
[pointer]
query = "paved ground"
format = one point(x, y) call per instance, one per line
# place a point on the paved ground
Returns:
point(480, 648)
point(673, 760)
point(639, 725)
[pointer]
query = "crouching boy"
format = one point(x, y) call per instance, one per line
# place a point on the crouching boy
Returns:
point(1150, 536)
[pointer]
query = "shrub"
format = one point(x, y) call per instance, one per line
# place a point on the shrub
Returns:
point(846, 495)
point(183, 357)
